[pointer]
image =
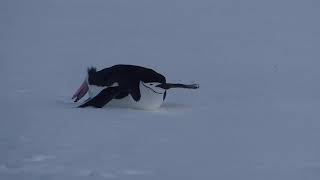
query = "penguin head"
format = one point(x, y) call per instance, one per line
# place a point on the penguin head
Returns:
point(154, 87)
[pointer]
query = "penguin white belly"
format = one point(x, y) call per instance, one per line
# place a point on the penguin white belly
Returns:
point(151, 99)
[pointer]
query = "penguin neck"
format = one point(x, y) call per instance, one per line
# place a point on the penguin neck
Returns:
point(150, 98)
point(146, 90)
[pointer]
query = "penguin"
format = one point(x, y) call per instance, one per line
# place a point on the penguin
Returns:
point(127, 86)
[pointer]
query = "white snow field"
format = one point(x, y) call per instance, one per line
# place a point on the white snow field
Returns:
point(256, 115)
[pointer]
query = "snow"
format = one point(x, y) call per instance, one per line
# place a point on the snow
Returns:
point(255, 116)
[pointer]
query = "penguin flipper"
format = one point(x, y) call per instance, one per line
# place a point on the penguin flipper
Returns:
point(135, 91)
point(102, 98)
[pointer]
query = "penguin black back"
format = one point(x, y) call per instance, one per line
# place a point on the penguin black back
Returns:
point(123, 74)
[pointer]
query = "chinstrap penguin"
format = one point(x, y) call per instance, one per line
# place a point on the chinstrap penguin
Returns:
point(127, 86)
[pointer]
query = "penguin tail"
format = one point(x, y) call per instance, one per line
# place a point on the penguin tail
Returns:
point(92, 70)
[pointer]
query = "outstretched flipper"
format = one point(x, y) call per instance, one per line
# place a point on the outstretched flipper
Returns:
point(135, 91)
point(102, 98)
point(171, 85)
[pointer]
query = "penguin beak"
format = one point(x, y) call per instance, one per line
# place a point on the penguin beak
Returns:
point(81, 91)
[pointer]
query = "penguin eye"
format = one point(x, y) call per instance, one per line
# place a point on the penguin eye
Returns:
point(151, 84)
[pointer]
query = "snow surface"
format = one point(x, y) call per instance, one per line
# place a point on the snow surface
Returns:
point(255, 116)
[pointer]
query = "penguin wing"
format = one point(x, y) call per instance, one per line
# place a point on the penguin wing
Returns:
point(135, 90)
point(102, 98)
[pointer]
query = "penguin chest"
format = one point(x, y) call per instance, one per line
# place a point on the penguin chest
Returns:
point(151, 98)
